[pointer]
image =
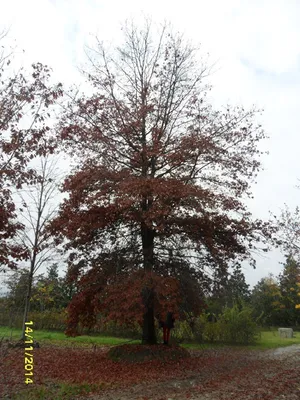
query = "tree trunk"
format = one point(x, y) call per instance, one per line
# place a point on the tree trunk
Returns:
point(27, 299)
point(149, 334)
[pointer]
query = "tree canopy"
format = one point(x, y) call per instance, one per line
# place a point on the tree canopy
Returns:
point(159, 172)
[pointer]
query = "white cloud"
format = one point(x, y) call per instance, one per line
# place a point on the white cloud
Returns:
point(269, 34)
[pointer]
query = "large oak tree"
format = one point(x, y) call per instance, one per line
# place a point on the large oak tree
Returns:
point(156, 200)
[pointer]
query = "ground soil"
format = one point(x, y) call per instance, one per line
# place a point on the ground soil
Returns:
point(208, 374)
point(245, 375)
point(139, 353)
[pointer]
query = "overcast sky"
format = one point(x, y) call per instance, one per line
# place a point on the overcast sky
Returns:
point(256, 47)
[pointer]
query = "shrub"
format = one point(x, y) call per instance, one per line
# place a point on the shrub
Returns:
point(182, 332)
point(48, 320)
point(238, 325)
point(199, 328)
point(212, 332)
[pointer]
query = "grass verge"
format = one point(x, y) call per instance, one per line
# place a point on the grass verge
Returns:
point(57, 391)
point(271, 340)
point(267, 340)
point(60, 338)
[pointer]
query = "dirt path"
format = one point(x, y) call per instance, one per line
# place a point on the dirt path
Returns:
point(241, 375)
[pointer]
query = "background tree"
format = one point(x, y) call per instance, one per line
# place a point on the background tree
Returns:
point(289, 231)
point(25, 100)
point(266, 299)
point(38, 208)
point(16, 292)
point(289, 281)
point(52, 291)
point(232, 290)
point(238, 289)
point(57, 293)
point(158, 169)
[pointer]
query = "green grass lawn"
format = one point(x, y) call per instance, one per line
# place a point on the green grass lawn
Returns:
point(271, 339)
point(60, 338)
point(268, 339)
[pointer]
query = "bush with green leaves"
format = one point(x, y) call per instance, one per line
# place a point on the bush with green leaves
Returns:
point(238, 325)
point(213, 332)
point(235, 325)
point(182, 332)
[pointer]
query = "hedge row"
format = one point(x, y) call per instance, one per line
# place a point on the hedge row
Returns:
point(235, 325)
